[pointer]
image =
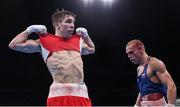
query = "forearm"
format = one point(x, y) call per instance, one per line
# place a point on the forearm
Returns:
point(171, 94)
point(88, 46)
point(19, 39)
point(138, 100)
point(89, 42)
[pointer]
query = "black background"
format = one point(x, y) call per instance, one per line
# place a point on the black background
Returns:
point(109, 75)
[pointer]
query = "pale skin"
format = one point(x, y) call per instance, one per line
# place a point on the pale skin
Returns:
point(64, 66)
point(162, 75)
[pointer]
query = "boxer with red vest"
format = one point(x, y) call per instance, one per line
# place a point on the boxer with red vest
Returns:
point(62, 54)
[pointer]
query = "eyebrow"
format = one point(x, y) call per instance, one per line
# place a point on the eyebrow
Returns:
point(129, 51)
point(71, 20)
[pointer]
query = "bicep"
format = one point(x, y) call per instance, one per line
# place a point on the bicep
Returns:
point(163, 74)
point(86, 49)
point(30, 46)
point(164, 77)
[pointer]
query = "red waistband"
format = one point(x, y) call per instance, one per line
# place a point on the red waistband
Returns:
point(152, 97)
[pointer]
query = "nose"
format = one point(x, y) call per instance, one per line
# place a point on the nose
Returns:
point(72, 25)
point(129, 56)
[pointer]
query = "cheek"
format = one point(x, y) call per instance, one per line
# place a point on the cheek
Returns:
point(135, 56)
point(63, 26)
point(139, 54)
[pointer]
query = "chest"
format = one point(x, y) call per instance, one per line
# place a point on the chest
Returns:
point(145, 71)
point(65, 56)
point(53, 43)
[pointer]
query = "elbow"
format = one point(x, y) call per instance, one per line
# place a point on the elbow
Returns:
point(174, 90)
point(12, 46)
point(93, 50)
point(172, 87)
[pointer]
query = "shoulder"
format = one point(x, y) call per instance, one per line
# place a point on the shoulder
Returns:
point(156, 64)
point(138, 69)
point(38, 41)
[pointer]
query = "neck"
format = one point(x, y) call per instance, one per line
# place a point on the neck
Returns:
point(59, 34)
point(144, 59)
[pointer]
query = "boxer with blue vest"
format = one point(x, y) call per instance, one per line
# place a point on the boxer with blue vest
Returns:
point(155, 84)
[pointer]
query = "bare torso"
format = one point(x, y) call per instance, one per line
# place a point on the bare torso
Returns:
point(66, 67)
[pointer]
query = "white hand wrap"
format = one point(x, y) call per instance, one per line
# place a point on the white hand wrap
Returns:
point(82, 31)
point(170, 105)
point(136, 105)
point(37, 29)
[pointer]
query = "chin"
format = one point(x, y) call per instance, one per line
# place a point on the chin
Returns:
point(135, 63)
point(68, 36)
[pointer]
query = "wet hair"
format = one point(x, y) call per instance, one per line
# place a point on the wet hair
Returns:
point(137, 44)
point(58, 16)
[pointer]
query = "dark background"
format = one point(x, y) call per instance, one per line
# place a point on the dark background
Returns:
point(109, 75)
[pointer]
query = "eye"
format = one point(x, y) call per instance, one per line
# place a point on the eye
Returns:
point(130, 52)
point(69, 21)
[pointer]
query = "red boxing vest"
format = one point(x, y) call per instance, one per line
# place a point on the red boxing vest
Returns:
point(51, 43)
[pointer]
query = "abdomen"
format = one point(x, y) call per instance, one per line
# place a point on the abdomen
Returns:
point(66, 67)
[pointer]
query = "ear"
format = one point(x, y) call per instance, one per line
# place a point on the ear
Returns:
point(141, 52)
point(56, 24)
point(53, 25)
